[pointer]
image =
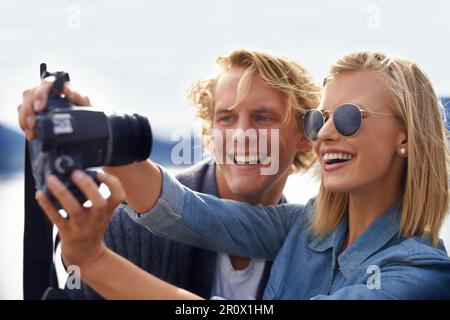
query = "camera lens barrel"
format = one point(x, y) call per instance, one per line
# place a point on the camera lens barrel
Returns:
point(131, 139)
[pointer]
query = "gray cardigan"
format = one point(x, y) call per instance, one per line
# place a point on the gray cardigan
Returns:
point(182, 265)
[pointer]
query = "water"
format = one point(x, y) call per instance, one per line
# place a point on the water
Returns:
point(11, 236)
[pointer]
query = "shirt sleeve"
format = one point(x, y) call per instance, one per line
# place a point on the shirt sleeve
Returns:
point(216, 224)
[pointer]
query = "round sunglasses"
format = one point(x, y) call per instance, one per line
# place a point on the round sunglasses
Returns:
point(347, 119)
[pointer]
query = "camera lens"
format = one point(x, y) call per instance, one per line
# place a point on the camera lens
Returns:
point(131, 139)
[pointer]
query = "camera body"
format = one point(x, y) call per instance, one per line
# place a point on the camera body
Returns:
point(70, 138)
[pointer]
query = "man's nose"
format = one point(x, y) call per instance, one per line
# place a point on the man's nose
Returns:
point(244, 131)
point(244, 123)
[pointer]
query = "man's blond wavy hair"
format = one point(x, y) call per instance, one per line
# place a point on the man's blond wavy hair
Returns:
point(426, 195)
point(286, 76)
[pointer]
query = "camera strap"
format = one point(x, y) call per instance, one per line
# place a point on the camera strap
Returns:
point(38, 270)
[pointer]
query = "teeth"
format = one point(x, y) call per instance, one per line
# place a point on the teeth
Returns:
point(264, 159)
point(337, 156)
point(250, 159)
point(246, 159)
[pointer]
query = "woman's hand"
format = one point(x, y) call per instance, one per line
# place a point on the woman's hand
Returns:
point(81, 235)
point(35, 100)
point(81, 240)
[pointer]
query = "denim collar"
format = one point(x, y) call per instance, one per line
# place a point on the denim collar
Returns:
point(376, 235)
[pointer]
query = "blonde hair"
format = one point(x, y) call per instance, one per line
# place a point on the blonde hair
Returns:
point(426, 195)
point(286, 76)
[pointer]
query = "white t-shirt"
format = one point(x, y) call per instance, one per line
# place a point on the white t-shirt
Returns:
point(237, 284)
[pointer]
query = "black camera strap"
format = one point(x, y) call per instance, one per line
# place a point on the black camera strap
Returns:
point(38, 270)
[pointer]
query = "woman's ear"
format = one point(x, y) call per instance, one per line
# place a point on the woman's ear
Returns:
point(402, 146)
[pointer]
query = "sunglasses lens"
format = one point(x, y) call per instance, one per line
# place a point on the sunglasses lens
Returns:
point(313, 122)
point(347, 119)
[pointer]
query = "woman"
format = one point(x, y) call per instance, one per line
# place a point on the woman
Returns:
point(371, 233)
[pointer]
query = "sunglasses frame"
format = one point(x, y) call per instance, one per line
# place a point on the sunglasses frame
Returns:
point(363, 113)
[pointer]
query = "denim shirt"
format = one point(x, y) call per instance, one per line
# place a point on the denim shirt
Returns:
point(182, 265)
point(379, 264)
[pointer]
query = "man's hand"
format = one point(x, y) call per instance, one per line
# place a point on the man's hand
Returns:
point(35, 100)
point(141, 180)
point(82, 234)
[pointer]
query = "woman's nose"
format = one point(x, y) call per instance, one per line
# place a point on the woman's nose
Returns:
point(328, 131)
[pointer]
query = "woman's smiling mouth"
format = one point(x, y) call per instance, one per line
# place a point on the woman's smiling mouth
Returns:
point(336, 160)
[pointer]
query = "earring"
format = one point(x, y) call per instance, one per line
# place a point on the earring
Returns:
point(402, 151)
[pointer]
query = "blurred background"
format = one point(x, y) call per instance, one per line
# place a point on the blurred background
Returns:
point(142, 56)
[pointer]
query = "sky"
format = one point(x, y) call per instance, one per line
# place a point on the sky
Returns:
point(142, 56)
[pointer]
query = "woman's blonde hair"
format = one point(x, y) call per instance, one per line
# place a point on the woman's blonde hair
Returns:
point(286, 76)
point(426, 195)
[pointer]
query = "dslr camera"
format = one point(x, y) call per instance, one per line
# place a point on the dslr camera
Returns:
point(70, 138)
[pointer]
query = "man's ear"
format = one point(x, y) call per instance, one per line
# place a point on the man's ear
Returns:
point(303, 144)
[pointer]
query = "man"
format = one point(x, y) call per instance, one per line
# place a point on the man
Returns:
point(254, 92)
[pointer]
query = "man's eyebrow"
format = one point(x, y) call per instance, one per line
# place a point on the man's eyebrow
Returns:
point(220, 110)
point(223, 110)
point(265, 109)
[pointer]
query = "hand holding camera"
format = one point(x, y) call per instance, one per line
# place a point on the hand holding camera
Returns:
point(82, 234)
point(64, 141)
point(35, 100)
point(64, 138)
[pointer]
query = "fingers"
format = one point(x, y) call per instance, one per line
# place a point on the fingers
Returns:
point(41, 94)
point(65, 197)
point(35, 100)
point(90, 189)
point(50, 210)
point(100, 205)
point(116, 189)
point(26, 113)
point(72, 95)
point(75, 97)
